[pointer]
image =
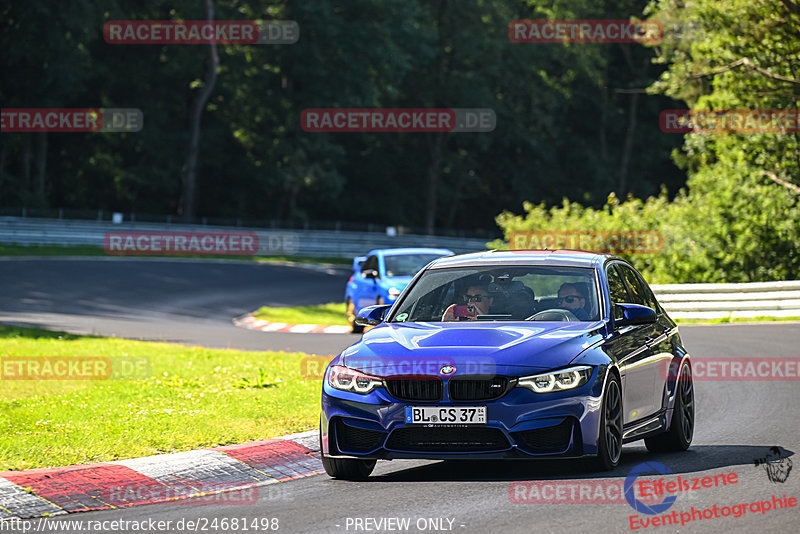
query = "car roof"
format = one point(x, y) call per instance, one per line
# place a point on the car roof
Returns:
point(398, 251)
point(561, 258)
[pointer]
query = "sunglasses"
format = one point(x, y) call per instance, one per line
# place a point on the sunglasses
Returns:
point(476, 298)
point(570, 299)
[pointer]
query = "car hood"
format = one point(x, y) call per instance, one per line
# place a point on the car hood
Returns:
point(478, 348)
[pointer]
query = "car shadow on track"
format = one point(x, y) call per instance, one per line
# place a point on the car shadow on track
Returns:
point(697, 458)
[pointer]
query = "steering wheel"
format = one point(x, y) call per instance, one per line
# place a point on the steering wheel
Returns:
point(556, 314)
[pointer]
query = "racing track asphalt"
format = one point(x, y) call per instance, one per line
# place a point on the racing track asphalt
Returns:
point(737, 422)
point(177, 301)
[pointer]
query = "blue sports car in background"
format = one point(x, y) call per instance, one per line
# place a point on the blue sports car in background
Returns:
point(380, 277)
point(510, 354)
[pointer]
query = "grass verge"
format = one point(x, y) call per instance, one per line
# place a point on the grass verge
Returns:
point(332, 313)
point(723, 320)
point(19, 250)
point(180, 398)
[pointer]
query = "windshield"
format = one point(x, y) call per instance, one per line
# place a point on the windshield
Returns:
point(407, 264)
point(532, 293)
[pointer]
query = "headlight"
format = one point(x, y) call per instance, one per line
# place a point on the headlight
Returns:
point(557, 381)
point(346, 379)
point(394, 293)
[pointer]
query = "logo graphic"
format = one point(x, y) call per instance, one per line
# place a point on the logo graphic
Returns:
point(448, 370)
point(645, 469)
point(777, 468)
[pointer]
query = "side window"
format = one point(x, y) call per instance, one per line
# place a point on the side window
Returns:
point(616, 289)
point(371, 264)
point(649, 298)
point(635, 288)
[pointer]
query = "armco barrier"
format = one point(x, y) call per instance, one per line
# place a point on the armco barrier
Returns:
point(315, 243)
point(684, 301)
point(713, 301)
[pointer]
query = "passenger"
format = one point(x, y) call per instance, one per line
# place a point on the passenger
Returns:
point(476, 301)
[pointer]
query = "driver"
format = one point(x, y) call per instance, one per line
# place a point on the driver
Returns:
point(571, 297)
point(476, 301)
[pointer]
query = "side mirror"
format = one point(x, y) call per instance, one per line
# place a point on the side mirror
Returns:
point(372, 315)
point(633, 314)
point(370, 273)
point(358, 261)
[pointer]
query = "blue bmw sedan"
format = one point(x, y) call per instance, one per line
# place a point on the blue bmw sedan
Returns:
point(510, 354)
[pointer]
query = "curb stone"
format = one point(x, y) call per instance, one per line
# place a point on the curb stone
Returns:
point(251, 323)
point(191, 477)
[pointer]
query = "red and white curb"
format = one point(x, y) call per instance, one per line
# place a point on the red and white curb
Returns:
point(222, 475)
point(251, 323)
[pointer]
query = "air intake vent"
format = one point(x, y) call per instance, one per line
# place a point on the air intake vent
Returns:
point(477, 388)
point(415, 388)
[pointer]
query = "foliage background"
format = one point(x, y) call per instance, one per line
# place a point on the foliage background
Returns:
point(732, 222)
point(577, 143)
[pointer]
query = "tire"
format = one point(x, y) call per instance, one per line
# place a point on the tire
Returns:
point(609, 439)
point(351, 317)
point(345, 468)
point(681, 428)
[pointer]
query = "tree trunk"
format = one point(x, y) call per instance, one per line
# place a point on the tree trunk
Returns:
point(630, 134)
point(190, 166)
point(436, 141)
point(26, 169)
point(434, 171)
point(3, 151)
point(41, 169)
point(628, 146)
point(454, 203)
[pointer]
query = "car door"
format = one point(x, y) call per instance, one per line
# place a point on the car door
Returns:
point(649, 384)
point(661, 344)
point(367, 293)
point(627, 345)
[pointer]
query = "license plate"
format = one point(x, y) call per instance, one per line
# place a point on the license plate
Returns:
point(450, 415)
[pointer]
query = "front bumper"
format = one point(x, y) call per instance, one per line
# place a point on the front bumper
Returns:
point(521, 424)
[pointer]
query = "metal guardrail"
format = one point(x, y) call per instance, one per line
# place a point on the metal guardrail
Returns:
point(714, 301)
point(315, 243)
point(684, 301)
